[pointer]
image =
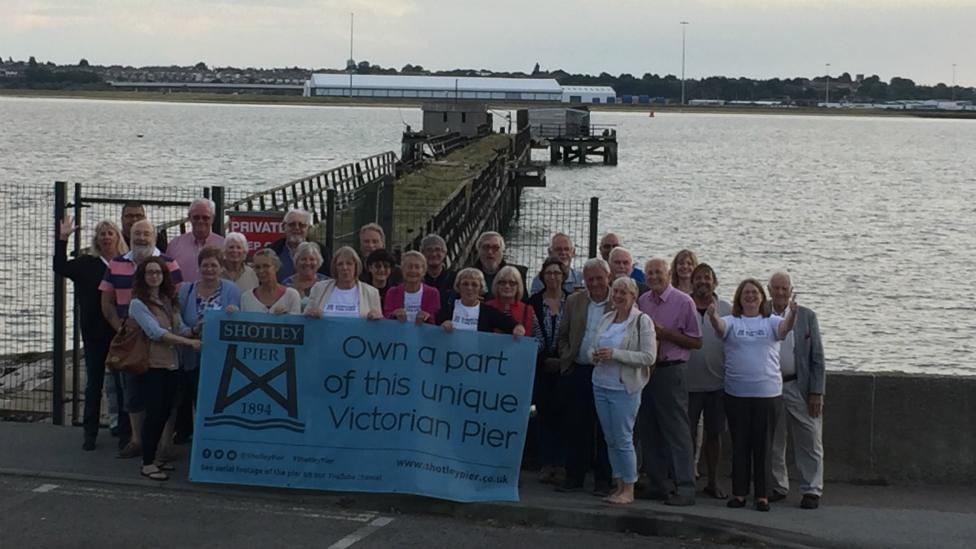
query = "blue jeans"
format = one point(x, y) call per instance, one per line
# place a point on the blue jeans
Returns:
point(617, 410)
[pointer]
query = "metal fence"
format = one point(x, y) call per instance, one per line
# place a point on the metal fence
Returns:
point(38, 324)
point(25, 301)
point(537, 219)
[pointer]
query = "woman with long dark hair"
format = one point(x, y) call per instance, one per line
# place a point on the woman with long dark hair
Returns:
point(547, 307)
point(156, 308)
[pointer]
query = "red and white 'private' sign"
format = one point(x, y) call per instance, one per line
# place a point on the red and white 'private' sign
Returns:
point(260, 228)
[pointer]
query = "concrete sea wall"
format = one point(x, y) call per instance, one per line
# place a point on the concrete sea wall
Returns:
point(891, 427)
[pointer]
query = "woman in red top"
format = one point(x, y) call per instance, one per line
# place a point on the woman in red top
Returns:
point(507, 287)
point(412, 301)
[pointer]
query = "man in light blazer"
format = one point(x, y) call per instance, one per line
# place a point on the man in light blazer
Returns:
point(577, 333)
point(804, 379)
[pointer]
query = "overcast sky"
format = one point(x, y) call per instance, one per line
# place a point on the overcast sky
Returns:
point(918, 39)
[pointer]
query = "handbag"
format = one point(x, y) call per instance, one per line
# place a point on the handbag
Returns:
point(129, 350)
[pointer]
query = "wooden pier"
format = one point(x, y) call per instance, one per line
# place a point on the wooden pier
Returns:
point(581, 144)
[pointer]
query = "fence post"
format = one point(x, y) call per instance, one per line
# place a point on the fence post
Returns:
point(384, 210)
point(594, 221)
point(60, 310)
point(330, 220)
point(217, 195)
point(76, 316)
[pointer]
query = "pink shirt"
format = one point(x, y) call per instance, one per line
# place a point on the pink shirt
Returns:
point(675, 310)
point(185, 249)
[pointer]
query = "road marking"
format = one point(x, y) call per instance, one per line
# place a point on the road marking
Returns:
point(45, 488)
point(270, 507)
point(361, 534)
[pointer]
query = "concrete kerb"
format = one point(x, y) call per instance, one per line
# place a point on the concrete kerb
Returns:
point(630, 520)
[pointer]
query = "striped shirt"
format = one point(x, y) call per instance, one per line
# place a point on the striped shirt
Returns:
point(118, 279)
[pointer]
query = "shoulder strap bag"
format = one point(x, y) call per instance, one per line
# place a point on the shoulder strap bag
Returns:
point(129, 350)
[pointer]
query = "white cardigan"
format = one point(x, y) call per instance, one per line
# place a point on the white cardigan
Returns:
point(369, 297)
point(637, 351)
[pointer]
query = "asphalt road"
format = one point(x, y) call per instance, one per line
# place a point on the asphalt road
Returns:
point(36, 513)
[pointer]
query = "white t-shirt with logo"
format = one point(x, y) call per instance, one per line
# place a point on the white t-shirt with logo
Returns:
point(752, 356)
point(342, 303)
point(411, 303)
point(466, 318)
point(606, 374)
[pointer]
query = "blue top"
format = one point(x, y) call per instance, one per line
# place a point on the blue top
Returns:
point(148, 322)
point(638, 275)
point(192, 308)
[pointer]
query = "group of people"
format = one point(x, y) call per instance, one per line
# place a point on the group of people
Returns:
point(638, 371)
point(641, 371)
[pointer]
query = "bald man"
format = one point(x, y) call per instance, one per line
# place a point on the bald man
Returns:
point(663, 416)
point(801, 360)
point(607, 244)
point(622, 264)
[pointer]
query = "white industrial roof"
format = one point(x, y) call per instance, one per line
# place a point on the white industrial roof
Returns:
point(462, 83)
point(590, 89)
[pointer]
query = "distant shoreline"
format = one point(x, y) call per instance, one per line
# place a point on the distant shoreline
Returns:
point(267, 99)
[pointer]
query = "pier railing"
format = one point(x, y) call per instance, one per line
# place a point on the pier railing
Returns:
point(309, 193)
point(338, 198)
point(574, 131)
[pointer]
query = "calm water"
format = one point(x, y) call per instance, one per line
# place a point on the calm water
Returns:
point(872, 216)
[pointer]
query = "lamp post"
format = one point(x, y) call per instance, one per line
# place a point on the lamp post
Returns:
point(684, 25)
point(351, 64)
point(827, 89)
point(953, 81)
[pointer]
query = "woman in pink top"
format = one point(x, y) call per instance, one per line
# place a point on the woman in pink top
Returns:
point(412, 301)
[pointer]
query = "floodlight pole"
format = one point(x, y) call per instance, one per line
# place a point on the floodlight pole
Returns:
point(684, 25)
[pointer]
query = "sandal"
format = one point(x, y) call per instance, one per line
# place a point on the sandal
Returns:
point(714, 492)
point(154, 474)
point(164, 466)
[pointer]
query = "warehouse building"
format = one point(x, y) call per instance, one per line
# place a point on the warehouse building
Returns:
point(433, 87)
point(589, 94)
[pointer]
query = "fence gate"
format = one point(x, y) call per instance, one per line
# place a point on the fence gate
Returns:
point(62, 397)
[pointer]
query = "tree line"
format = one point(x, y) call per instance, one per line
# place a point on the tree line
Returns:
point(34, 75)
point(798, 90)
point(663, 88)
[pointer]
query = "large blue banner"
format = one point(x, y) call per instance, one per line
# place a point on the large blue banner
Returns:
point(370, 406)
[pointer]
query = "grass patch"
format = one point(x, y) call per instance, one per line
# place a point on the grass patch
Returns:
point(421, 193)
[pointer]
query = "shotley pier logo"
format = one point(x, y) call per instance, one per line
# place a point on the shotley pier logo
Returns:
point(239, 408)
